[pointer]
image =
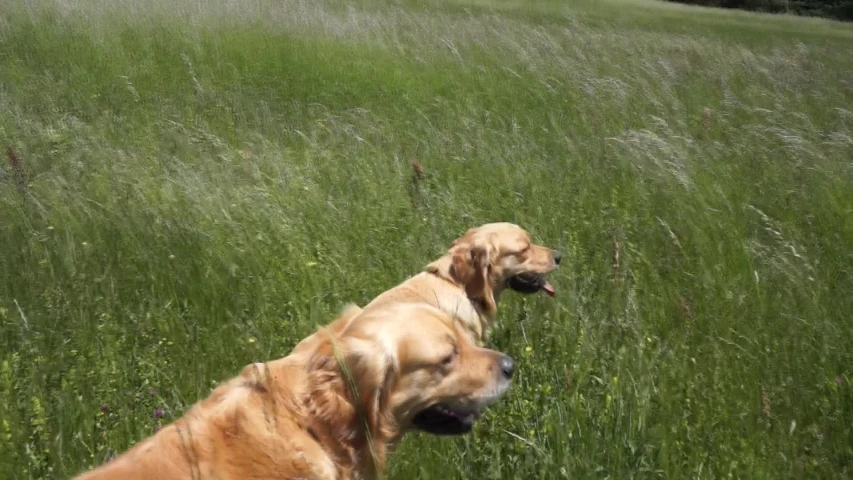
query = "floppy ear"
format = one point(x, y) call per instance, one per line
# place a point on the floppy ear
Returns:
point(350, 382)
point(471, 266)
point(369, 372)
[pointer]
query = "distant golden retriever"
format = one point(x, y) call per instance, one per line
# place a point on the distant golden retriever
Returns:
point(467, 281)
point(332, 412)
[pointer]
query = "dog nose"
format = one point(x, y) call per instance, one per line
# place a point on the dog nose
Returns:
point(557, 257)
point(507, 365)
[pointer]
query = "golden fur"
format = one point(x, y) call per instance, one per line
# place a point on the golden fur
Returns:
point(330, 412)
point(467, 281)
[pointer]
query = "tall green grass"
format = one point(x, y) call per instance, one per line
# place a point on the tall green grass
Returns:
point(200, 185)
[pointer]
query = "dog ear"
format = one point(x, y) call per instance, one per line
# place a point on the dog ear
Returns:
point(471, 267)
point(351, 381)
point(370, 371)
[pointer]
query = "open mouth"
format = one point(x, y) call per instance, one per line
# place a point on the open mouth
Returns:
point(528, 283)
point(441, 420)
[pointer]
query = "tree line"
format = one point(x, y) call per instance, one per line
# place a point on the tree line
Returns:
point(836, 9)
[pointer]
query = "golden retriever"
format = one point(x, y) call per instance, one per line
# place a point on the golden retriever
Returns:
point(332, 412)
point(467, 281)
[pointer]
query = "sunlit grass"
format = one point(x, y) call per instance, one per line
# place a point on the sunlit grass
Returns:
point(201, 184)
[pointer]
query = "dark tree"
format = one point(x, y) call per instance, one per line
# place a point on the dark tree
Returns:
point(836, 9)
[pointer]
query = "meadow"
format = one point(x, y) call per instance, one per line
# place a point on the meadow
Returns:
point(193, 186)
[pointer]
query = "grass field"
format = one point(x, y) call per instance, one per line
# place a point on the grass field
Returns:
point(198, 185)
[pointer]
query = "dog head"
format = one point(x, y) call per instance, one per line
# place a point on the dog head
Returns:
point(493, 257)
point(397, 378)
point(444, 381)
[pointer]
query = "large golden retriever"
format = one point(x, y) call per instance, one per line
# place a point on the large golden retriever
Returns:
point(467, 281)
point(332, 412)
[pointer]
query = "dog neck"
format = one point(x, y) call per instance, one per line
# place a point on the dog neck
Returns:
point(471, 312)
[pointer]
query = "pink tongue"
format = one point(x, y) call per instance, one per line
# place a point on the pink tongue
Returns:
point(549, 289)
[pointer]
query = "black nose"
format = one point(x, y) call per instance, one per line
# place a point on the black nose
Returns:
point(507, 365)
point(557, 257)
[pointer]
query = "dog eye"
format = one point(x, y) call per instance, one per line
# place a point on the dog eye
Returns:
point(447, 360)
